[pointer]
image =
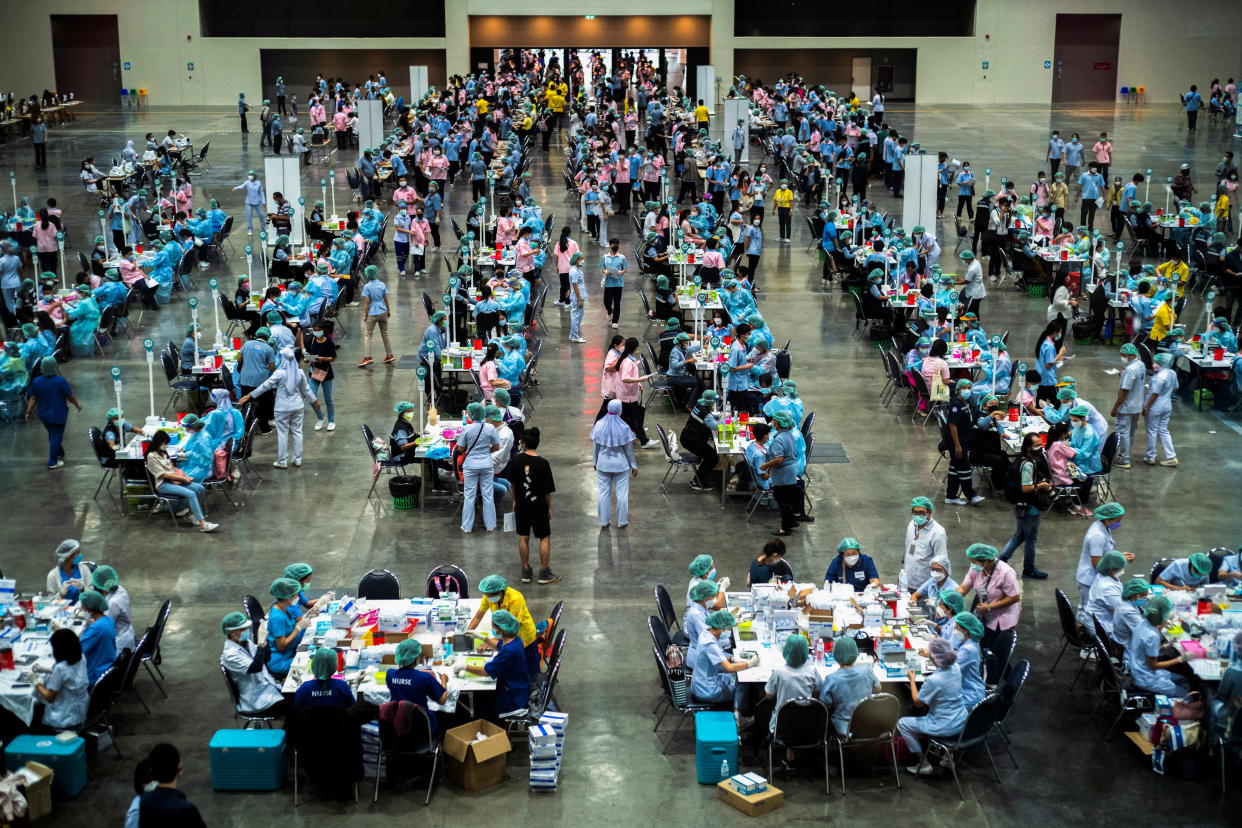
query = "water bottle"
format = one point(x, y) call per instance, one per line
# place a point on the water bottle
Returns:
point(724, 769)
point(901, 580)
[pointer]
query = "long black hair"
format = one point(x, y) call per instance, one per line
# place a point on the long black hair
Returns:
point(564, 242)
point(66, 647)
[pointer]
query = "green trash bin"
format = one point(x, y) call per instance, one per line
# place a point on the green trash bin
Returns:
point(404, 490)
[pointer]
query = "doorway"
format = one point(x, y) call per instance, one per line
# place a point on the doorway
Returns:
point(86, 53)
point(860, 77)
point(1085, 58)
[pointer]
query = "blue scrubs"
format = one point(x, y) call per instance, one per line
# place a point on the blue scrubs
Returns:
point(99, 647)
point(969, 661)
point(710, 683)
point(417, 686)
point(280, 623)
point(316, 693)
point(843, 689)
point(1145, 643)
point(857, 576)
point(512, 679)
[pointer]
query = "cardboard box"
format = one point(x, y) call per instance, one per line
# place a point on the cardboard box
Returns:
point(38, 791)
point(473, 765)
point(753, 805)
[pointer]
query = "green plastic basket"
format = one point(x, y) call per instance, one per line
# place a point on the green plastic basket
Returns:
point(1035, 291)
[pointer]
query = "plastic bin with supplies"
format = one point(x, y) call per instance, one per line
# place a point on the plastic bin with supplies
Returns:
point(404, 490)
point(715, 741)
point(66, 758)
point(248, 760)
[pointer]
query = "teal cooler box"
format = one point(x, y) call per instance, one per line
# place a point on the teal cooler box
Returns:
point(715, 741)
point(66, 759)
point(248, 760)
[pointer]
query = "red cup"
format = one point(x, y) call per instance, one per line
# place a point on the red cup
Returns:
point(975, 352)
point(1064, 254)
point(340, 661)
point(19, 227)
point(728, 340)
point(496, 255)
point(1159, 211)
point(690, 258)
point(467, 362)
point(237, 343)
point(1218, 353)
point(1013, 413)
point(6, 659)
point(1043, 439)
point(1181, 221)
point(478, 344)
point(146, 444)
point(910, 298)
point(138, 249)
point(219, 361)
point(745, 417)
point(181, 415)
point(340, 225)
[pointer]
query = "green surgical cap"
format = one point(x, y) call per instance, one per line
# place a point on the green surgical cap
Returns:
point(504, 621)
point(475, 411)
point(981, 552)
point(1157, 610)
point(721, 620)
point(94, 601)
point(233, 621)
point(1135, 586)
point(848, 543)
point(795, 650)
point(408, 652)
point(1109, 562)
point(970, 624)
point(493, 584)
point(105, 579)
point(922, 503)
point(437, 316)
point(402, 407)
point(1079, 411)
point(845, 651)
point(1109, 511)
point(298, 571)
point(371, 272)
point(953, 599)
point(701, 565)
point(1200, 563)
point(1129, 350)
point(323, 663)
point(501, 396)
point(114, 412)
point(783, 419)
point(284, 588)
point(1067, 394)
point(703, 590)
point(963, 383)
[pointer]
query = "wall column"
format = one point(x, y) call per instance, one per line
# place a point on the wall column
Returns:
point(457, 37)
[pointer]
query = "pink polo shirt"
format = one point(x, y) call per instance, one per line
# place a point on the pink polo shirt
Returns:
point(1103, 151)
point(629, 391)
point(610, 381)
point(562, 256)
point(524, 260)
point(1002, 583)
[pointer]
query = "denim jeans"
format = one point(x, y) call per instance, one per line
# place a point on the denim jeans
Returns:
point(326, 385)
point(1027, 532)
point(189, 493)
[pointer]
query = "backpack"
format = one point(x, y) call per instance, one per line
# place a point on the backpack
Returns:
point(1041, 500)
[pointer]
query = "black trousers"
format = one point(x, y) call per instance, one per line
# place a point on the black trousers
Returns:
point(708, 457)
point(1086, 212)
point(787, 498)
point(40, 155)
point(784, 219)
point(563, 296)
point(264, 408)
point(634, 414)
point(280, 104)
point(243, 123)
point(960, 475)
point(963, 201)
point(1191, 118)
point(623, 198)
point(612, 304)
point(942, 192)
point(1055, 164)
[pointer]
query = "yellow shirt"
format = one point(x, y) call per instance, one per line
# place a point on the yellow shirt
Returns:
point(1162, 321)
point(556, 101)
point(783, 197)
point(1180, 269)
point(514, 602)
point(700, 114)
point(563, 88)
point(527, 123)
point(482, 105)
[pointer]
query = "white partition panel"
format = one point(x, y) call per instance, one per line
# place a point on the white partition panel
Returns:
point(283, 175)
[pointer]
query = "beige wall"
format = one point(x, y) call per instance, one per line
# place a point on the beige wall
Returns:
point(1163, 47)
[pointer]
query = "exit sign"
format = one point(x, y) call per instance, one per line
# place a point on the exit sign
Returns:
point(1102, 67)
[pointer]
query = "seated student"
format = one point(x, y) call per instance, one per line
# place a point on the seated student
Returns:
point(751, 472)
point(941, 694)
point(701, 569)
point(323, 689)
point(246, 663)
point(420, 687)
point(941, 579)
point(508, 667)
point(1147, 670)
point(98, 639)
point(965, 637)
point(1128, 613)
point(770, 564)
point(713, 680)
point(1060, 452)
point(64, 695)
point(286, 625)
point(852, 567)
point(848, 685)
point(694, 623)
point(1186, 574)
point(795, 679)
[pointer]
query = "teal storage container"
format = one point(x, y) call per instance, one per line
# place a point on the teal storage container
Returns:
point(66, 759)
point(715, 741)
point(248, 760)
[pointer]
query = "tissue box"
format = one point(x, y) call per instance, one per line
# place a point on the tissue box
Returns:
point(1164, 706)
point(541, 735)
point(556, 721)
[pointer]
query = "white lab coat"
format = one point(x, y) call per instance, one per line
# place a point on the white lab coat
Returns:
point(932, 544)
point(258, 691)
point(119, 612)
point(56, 584)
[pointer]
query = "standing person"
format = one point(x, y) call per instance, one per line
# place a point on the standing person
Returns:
point(256, 201)
point(475, 444)
point(576, 297)
point(1129, 403)
point(280, 95)
point(376, 294)
point(1096, 543)
point(996, 585)
point(1090, 187)
point(293, 392)
point(614, 464)
point(926, 543)
point(51, 394)
point(322, 351)
point(564, 249)
point(1158, 408)
point(782, 199)
point(739, 141)
point(1056, 150)
point(1073, 157)
point(1103, 152)
point(975, 291)
point(1047, 357)
point(612, 266)
point(782, 465)
point(256, 361)
point(965, 181)
point(629, 391)
point(752, 238)
point(1192, 101)
point(265, 121)
point(533, 487)
point(242, 109)
point(957, 439)
point(1034, 481)
point(38, 137)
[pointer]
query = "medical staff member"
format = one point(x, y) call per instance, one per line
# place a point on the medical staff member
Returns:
point(941, 579)
point(1096, 543)
point(286, 625)
point(1128, 613)
point(246, 663)
point(941, 694)
point(477, 441)
point(1186, 574)
point(926, 542)
point(852, 567)
point(106, 582)
point(498, 595)
point(323, 690)
point(1106, 593)
point(70, 576)
point(965, 637)
point(1158, 408)
point(1129, 404)
point(508, 667)
point(1147, 670)
point(256, 201)
point(701, 569)
point(292, 392)
point(694, 623)
point(846, 686)
point(713, 680)
point(420, 687)
point(795, 679)
point(99, 638)
point(302, 573)
point(996, 585)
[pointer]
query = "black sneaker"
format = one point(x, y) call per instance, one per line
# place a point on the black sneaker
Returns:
point(547, 576)
point(527, 574)
point(697, 486)
point(1035, 575)
point(805, 519)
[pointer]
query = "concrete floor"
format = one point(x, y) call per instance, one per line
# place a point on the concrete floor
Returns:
point(318, 513)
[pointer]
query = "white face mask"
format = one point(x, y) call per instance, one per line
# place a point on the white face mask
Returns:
point(940, 577)
point(850, 560)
